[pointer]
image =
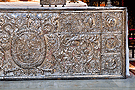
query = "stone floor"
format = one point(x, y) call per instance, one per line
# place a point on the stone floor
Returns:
point(97, 84)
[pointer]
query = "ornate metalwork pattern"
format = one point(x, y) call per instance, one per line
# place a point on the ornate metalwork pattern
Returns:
point(111, 64)
point(111, 43)
point(28, 49)
point(79, 54)
point(80, 22)
point(62, 44)
point(112, 22)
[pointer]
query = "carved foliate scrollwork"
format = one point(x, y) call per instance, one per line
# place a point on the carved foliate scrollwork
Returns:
point(112, 22)
point(111, 43)
point(80, 22)
point(111, 64)
point(77, 52)
point(61, 43)
point(28, 49)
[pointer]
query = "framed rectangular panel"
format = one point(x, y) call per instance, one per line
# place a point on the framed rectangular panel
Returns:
point(63, 43)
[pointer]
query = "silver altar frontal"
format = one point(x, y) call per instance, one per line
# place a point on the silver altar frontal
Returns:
point(63, 43)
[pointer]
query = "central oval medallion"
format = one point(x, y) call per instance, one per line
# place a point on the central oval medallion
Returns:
point(28, 49)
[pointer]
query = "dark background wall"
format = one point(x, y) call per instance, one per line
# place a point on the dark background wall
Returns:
point(131, 12)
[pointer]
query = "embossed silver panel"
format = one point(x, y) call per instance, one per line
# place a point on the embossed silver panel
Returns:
point(62, 43)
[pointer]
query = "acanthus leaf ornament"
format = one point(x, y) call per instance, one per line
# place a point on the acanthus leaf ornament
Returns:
point(62, 43)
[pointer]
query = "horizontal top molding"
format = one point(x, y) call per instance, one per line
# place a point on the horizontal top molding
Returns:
point(62, 8)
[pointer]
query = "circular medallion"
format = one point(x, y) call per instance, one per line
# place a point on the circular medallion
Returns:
point(111, 43)
point(111, 22)
point(110, 64)
point(28, 49)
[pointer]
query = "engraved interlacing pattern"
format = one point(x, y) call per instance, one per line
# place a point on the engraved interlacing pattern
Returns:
point(80, 22)
point(64, 43)
point(28, 49)
point(78, 54)
point(112, 22)
point(111, 43)
point(111, 64)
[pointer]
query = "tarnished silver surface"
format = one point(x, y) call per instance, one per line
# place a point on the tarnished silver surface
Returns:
point(62, 43)
point(52, 2)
